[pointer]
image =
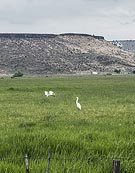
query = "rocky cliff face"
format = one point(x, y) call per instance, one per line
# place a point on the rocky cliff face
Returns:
point(66, 53)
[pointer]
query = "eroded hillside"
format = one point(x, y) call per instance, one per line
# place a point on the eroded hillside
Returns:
point(62, 54)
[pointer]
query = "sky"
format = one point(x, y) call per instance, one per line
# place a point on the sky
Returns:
point(113, 19)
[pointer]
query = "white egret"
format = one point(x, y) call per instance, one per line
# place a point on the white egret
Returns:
point(78, 104)
point(49, 93)
point(46, 93)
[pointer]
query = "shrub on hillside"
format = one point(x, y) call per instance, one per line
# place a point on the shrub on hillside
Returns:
point(117, 70)
point(17, 74)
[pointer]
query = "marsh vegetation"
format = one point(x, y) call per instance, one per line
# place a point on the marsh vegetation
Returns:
point(81, 141)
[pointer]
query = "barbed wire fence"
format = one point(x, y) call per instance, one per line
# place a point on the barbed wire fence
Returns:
point(114, 163)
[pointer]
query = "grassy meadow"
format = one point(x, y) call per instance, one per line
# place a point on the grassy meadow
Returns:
point(83, 141)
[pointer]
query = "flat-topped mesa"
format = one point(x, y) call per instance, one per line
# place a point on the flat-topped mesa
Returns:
point(32, 35)
point(69, 53)
point(79, 34)
point(26, 35)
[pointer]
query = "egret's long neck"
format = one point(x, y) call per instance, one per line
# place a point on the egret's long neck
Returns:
point(77, 100)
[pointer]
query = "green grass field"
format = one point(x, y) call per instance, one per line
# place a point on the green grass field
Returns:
point(83, 141)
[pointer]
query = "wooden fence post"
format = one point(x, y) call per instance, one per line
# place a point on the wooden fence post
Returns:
point(116, 166)
point(49, 160)
point(27, 163)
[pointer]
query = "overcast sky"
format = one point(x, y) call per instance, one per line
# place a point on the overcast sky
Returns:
point(113, 19)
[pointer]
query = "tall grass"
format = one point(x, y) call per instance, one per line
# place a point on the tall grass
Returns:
point(81, 141)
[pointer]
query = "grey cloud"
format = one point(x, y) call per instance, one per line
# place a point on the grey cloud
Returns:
point(91, 16)
point(33, 10)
